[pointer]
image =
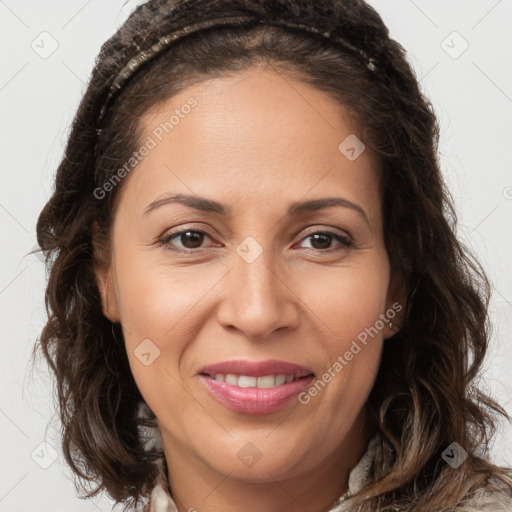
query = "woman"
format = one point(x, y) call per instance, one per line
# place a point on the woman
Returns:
point(214, 141)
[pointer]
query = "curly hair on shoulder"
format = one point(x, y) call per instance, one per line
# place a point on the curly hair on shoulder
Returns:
point(425, 396)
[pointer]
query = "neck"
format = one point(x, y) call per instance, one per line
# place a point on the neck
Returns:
point(197, 486)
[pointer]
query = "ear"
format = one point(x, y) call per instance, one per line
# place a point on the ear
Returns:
point(104, 280)
point(395, 304)
point(107, 294)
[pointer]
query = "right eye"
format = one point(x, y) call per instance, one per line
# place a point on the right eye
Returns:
point(190, 239)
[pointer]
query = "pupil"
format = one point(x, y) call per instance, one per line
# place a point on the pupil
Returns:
point(197, 239)
point(317, 237)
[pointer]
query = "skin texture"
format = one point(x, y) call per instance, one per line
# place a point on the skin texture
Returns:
point(256, 142)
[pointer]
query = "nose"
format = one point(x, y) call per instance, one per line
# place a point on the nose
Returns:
point(258, 298)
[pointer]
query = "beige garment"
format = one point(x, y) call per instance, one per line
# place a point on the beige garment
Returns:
point(485, 501)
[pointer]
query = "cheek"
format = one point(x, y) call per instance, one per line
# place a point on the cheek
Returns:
point(350, 299)
point(347, 304)
point(155, 306)
point(161, 309)
point(157, 299)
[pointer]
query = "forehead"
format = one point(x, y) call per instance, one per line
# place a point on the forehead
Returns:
point(249, 136)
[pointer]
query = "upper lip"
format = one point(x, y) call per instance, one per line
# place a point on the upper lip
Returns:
point(256, 368)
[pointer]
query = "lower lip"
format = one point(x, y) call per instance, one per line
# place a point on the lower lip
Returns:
point(255, 400)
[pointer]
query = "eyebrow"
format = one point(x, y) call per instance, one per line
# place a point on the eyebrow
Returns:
point(295, 209)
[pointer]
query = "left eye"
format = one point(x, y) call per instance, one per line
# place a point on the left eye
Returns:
point(323, 238)
point(193, 238)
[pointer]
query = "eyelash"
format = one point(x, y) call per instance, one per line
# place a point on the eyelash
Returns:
point(165, 240)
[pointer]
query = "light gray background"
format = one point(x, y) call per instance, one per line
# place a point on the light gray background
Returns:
point(472, 95)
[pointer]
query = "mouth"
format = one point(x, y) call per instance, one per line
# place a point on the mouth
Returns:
point(255, 387)
point(256, 374)
point(248, 394)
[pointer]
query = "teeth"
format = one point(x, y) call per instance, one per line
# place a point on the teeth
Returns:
point(232, 379)
point(246, 381)
point(281, 379)
point(269, 381)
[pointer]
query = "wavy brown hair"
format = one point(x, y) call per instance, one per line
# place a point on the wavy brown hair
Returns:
point(425, 395)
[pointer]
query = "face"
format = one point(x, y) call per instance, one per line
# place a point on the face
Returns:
point(252, 268)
